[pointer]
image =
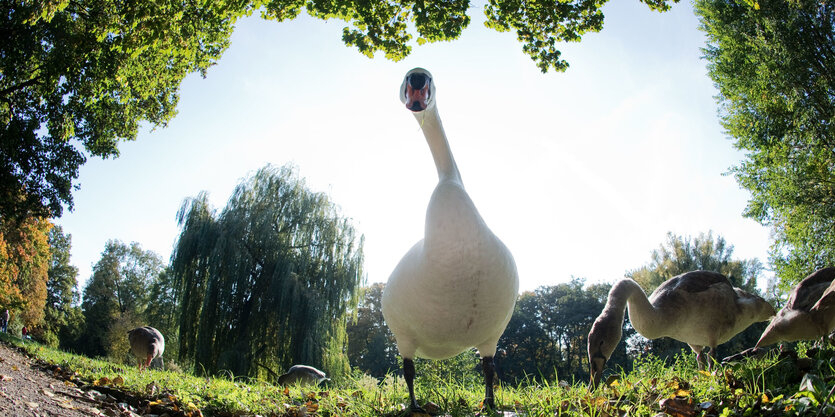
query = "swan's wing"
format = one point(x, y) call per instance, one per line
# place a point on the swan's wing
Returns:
point(827, 300)
point(692, 282)
point(810, 290)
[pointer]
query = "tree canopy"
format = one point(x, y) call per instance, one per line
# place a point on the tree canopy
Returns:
point(81, 76)
point(773, 62)
point(24, 264)
point(680, 254)
point(267, 283)
point(371, 345)
point(62, 315)
point(116, 297)
point(78, 77)
point(546, 338)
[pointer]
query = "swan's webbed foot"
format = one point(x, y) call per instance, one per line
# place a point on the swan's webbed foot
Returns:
point(488, 408)
point(416, 409)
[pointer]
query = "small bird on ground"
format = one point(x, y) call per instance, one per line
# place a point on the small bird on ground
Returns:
point(302, 374)
point(146, 343)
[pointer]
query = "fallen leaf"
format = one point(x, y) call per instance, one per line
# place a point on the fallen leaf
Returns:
point(599, 401)
point(677, 407)
point(682, 393)
point(118, 381)
point(432, 408)
point(66, 404)
point(312, 407)
point(92, 410)
point(32, 405)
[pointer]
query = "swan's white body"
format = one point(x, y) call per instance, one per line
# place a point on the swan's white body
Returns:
point(456, 288)
point(700, 308)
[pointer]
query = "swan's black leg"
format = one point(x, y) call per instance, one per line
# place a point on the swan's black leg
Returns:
point(711, 359)
point(409, 374)
point(489, 369)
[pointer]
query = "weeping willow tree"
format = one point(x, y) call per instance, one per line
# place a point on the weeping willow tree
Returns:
point(267, 283)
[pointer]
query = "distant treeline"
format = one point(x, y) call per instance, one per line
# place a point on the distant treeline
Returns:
point(275, 279)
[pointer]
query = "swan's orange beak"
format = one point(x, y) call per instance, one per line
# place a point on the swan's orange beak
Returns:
point(416, 99)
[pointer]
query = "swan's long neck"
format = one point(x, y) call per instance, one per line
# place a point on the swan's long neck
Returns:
point(433, 130)
point(643, 316)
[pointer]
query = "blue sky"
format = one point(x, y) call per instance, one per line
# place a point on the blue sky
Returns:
point(580, 173)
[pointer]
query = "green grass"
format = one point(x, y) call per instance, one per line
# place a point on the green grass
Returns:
point(764, 386)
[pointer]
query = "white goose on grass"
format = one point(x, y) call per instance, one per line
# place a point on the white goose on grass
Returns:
point(456, 288)
point(146, 343)
point(809, 314)
point(700, 308)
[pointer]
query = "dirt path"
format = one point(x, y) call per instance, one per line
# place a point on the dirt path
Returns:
point(27, 389)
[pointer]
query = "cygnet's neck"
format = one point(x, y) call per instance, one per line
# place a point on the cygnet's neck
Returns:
point(643, 316)
point(430, 122)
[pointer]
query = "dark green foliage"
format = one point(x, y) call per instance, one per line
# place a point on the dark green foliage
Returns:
point(540, 25)
point(371, 345)
point(81, 76)
point(116, 296)
point(680, 254)
point(267, 283)
point(63, 320)
point(773, 62)
point(162, 311)
point(546, 338)
point(190, 266)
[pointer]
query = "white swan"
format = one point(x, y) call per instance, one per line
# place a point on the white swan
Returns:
point(456, 288)
point(700, 308)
